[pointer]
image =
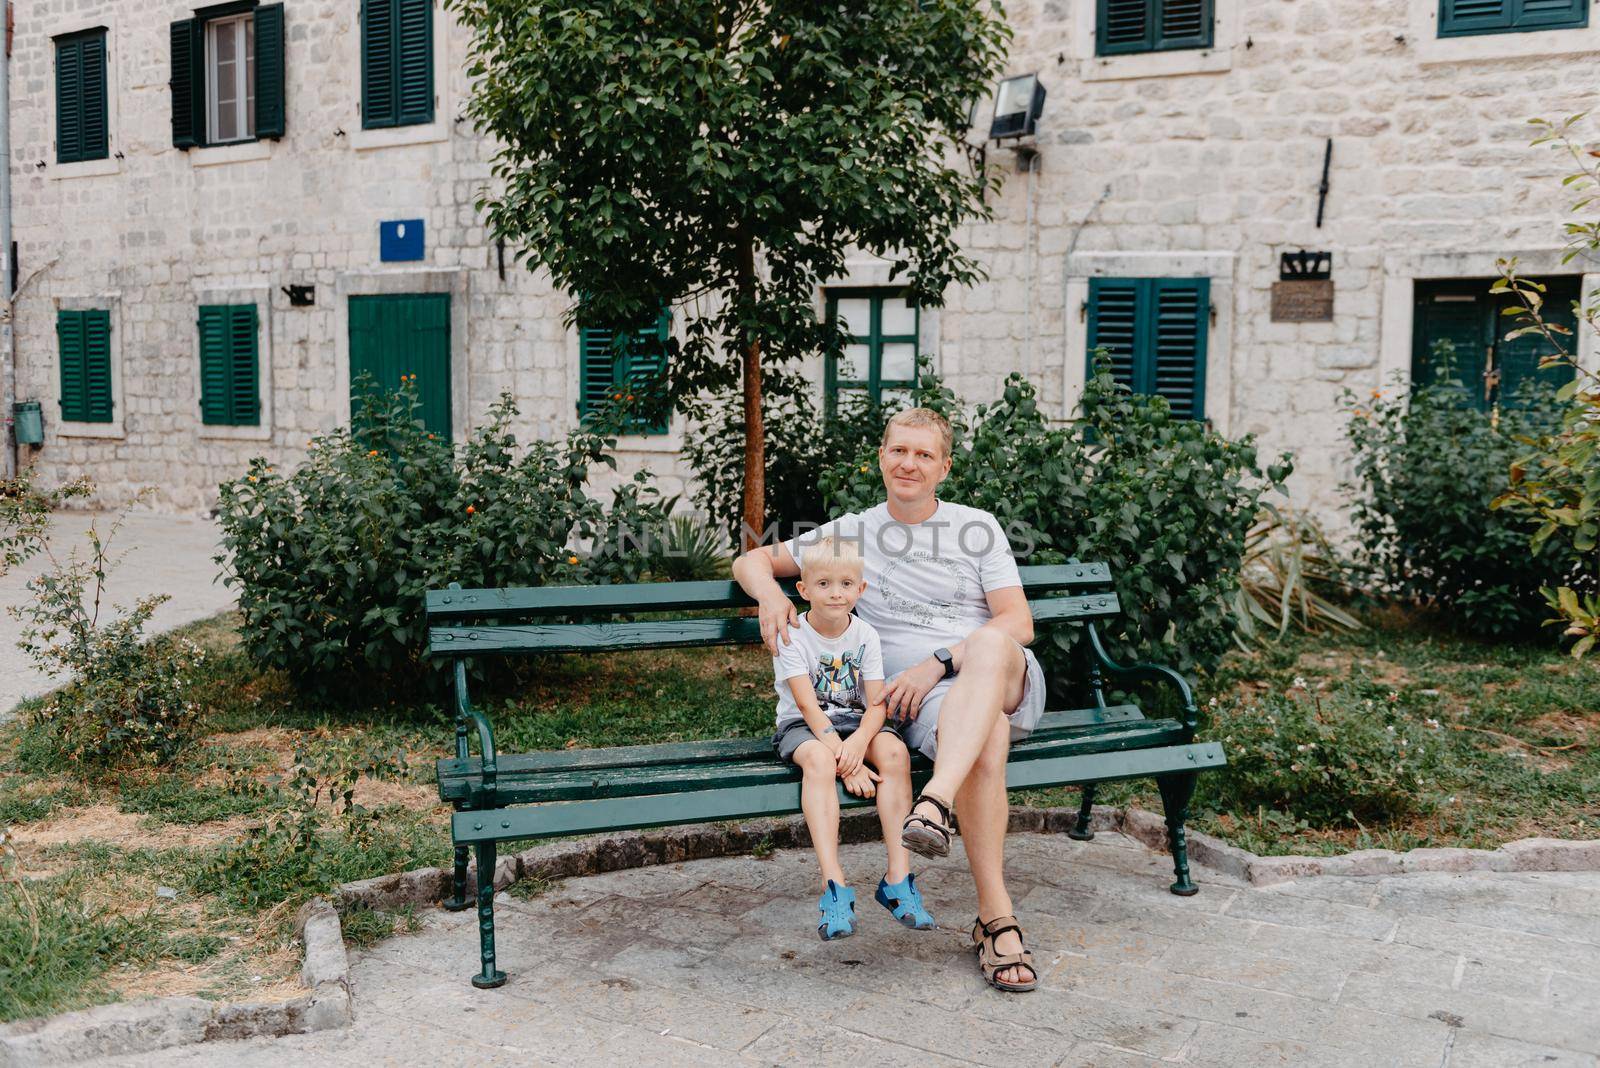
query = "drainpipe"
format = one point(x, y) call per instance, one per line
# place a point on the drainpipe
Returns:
point(8, 353)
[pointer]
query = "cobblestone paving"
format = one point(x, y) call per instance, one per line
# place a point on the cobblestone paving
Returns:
point(716, 963)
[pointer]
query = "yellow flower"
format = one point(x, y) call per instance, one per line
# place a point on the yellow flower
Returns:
point(572, 559)
point(252, 478)
point(865, 468)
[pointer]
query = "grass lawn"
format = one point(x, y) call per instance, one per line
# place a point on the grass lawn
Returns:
point(186, 881)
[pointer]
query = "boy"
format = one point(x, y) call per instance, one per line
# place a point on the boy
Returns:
point(832, 722)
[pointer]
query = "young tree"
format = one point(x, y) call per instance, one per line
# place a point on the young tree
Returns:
point(722, 157)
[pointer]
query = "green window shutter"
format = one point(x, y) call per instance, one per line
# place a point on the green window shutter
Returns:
point(214, 359)
point(396, 62)
point(244, 402)
point(608, 365)
point(378, 104)
point(1114, 312)
point(1460, 18)
point(84, 339)
point(229, 365)
point(69, 101)
point(1154, 330)
point(70, 344)
point(1127, 26)
point(1180, 313)
point(270, 108)
point(187, 84)
point(414, 68)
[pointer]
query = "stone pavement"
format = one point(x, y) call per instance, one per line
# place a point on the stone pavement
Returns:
point(716, 963)
point(160, 554)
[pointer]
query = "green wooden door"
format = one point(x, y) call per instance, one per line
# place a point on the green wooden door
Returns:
point(402, 334)
point(1496, 372)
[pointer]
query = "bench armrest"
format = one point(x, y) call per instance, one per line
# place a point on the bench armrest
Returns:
point(465, 713)
point(1140, 672)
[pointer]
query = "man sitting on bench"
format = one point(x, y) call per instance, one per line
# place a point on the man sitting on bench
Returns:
point(944, 595)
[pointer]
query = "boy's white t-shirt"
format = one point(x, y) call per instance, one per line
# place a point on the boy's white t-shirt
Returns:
point(838, 668)
point(927, 583)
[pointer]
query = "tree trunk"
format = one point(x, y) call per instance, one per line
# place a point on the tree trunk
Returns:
point(755, 453)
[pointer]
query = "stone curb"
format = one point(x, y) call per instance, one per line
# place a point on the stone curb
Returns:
point(161, 1023)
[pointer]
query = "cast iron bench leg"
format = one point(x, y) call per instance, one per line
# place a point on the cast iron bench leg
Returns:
point(488, 978)
point(458, 899)
point(1081, 831)
point(1176, 790)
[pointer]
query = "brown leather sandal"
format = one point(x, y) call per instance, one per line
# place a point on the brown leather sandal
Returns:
point(930, 838)
point(992, 961)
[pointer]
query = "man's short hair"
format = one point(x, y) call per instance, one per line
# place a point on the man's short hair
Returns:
point(844, 551)
point(923, 417)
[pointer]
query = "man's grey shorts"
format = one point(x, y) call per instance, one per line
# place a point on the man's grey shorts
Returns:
point(922, 733)
point(795, 733)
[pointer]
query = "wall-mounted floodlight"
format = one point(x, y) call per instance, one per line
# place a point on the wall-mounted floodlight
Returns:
point(1017, 105)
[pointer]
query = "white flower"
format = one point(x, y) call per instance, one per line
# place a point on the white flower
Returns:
point(1299, 683)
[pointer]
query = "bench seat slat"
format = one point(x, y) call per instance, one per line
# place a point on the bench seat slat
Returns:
point(445, 605)
point(783, 798)
point(573, 785)
point(718, 750)
point(469, 640)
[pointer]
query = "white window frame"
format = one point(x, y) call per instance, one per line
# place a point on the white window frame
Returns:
point(243, 29)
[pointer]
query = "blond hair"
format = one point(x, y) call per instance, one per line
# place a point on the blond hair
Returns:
point(922, 417)
point(831, 550)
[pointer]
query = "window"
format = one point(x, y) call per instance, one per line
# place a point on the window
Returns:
point(81, 97)
point(1123, 26)
point(880, 353)
point(396, 63)
point(1458, 332)
point(1154, 330)
point(1463, 18)
point(609, 365)
point(228, 75)
point(229, 388)
point(84, 339)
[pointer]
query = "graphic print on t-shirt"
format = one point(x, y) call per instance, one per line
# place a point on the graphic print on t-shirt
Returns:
point(939, 582)
point(837, 679)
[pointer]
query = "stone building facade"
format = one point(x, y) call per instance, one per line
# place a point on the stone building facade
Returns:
point(1200, 162)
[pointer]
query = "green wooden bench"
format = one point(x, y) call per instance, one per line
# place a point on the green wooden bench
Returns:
point(574, 792)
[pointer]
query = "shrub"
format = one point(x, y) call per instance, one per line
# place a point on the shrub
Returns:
point(1331, 760)
point(127, 701)
point(1427, 469)
point(332, 562)
point(1166, 502)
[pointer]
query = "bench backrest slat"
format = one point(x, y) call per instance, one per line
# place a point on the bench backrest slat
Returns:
point(531, 603)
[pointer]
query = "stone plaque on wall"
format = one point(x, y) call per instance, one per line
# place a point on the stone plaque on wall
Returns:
point(1303, 301)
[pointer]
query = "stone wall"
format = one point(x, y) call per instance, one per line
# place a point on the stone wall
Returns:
point(1181, 163)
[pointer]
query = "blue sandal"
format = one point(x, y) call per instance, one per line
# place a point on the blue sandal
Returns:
point(904, 902)
point(838, 905)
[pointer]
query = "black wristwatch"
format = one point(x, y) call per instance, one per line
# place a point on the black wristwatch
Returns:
point(944, 657)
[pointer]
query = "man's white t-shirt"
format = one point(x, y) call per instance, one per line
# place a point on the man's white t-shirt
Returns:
point(839, 668)
point(926, 582)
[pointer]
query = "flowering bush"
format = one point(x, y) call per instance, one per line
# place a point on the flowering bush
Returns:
point(1332, 760)
point(332, 562)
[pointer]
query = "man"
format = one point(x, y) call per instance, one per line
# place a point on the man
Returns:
point(944, 595)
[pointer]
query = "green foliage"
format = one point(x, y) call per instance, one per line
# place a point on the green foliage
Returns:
point(1166, 502)
point(363, 926)
point(1426, 469)
point(332, 562)
point(318, 835)
point(689, 549)
point(1556, 483)
point(1291, 576)
point(25, 515)
point(1332, 761)
point(801, 442)
point(126, 702)
point(654, 154)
